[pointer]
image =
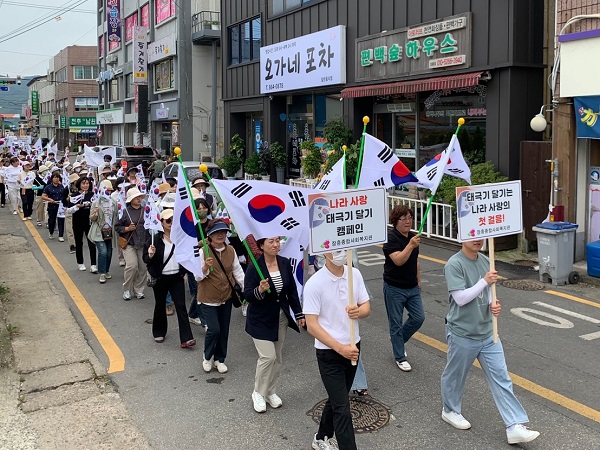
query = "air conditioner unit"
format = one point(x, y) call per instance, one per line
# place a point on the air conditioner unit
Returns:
point(112, 59)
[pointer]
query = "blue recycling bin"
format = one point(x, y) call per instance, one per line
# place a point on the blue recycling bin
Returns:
point(556, 249)
point(592, 250)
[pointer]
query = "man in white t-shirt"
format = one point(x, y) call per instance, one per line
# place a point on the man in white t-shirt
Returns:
point(328, 316)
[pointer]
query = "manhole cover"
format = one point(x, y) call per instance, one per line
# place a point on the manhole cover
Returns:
point(368, 415)
point(526, 263)
point(524, 285)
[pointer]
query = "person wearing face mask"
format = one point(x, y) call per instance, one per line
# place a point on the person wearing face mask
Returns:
point(328, 314)
point(402, 282)
point(269, 317)
point(195, 312)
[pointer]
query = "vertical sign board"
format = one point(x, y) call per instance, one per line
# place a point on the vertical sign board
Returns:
point(35, 103)
point(347, 219)
point(113, 19)
point(258, 134)
point(140, 56)
point(489, 210)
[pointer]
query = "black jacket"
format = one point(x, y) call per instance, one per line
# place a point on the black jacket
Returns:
point(156, 264)
point(262, 320)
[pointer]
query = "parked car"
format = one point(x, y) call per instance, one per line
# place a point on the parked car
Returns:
point(133, 155)
point(192, 171)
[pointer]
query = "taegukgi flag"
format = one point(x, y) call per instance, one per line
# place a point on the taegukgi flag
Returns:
point(334, 179)
point(381, 167)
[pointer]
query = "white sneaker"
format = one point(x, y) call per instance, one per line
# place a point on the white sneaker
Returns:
point(14, 213)
point(244, 309)
point(195, 321)
point(207, 364)
point(259, 402)
point(520, 434)
point(121, 263)
point(404, 366)
point(108, 276)
point(322, 444)
point(456, 420)
point(221, 367)
point(39, 224)
point(274, 400)
point(24, 219)
point(61, 239)
point(126, 296)
point(81, 267)
point(50, 236)
point(102, 278)
point(94, 269)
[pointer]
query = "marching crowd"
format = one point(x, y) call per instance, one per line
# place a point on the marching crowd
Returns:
point(103, 207)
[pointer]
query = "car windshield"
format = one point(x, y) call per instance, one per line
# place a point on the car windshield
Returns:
point(139, 151)
point(193, 173)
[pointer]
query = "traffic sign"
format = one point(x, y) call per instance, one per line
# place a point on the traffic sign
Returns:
point(4, 88)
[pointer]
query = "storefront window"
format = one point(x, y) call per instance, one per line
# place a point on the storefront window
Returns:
point(164, 78)
point(394, 124)
point(114, 90)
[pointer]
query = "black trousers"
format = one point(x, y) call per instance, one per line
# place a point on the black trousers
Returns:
point(27, 199)
point(52, 219)
point(217, 318)
point(337, 374)
point(174, 285)
point(2, 194)
point(80, 231)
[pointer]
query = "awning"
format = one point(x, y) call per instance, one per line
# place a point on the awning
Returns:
point(83, 130)
point(405, 87)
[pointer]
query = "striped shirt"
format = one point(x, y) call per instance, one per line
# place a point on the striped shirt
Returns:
point(277, 281)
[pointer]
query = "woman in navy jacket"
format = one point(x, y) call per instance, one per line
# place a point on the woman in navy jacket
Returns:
point(269, 317)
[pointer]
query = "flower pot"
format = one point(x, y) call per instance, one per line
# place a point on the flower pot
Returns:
point(216, 26)
point(280, 174)
point(265, 177)
point(240, 173)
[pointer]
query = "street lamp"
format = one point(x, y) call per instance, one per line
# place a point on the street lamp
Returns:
point(539, 123)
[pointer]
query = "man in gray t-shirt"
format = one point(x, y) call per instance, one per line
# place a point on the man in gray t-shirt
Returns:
point(469, 336)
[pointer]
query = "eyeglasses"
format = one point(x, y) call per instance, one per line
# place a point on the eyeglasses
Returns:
point(169, 220)
point(404, 218)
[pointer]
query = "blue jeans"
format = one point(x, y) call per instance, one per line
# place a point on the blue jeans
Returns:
point(461, 355)
point(396, 300)
point(360, 378)
point(104, 249)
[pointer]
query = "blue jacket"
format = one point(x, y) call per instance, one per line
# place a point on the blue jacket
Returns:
point(262, 320)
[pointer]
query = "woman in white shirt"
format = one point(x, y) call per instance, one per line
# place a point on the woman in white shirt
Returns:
point(11, 177)
point(25, 180)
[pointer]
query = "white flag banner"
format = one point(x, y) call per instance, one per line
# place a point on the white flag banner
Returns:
point(152, 217)
point(140, 172)
point(96, 158)
point(430, 175)
point(38, 144)
point(77, 198)
point(292, 250)
point(65, 178)
point(121, 200)
point(381, 167)
point(28, 178)
point(266, 209)
point(184, 232)
point(457, 166)
point(154, 191)
point(334, 179)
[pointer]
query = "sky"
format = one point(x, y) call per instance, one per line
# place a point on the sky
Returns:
point(55, 24)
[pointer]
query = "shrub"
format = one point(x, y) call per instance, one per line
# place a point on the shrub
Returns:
point(312, 159)
point(252, 164)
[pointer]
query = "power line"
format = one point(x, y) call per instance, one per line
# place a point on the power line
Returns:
point(37, 6)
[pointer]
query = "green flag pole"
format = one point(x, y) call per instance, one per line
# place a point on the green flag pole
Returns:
point(204, 169)
point(461, 122)
point(366, 120)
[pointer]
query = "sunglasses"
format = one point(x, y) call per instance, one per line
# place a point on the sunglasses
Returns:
point(169, 220)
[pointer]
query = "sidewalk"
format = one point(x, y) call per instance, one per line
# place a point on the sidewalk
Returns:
point(54, 393)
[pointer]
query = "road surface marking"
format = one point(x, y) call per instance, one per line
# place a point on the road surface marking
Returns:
point(575, 299)
point(525, 313)
point(566, 312)
point(115, 356)
point(591, 336)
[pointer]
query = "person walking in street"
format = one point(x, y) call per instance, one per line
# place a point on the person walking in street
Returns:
point(54, 193)
point(156, 169)
point(161, 264)
point(25, 180)
point(195, 312)
point(469, 333)
point(103, 217)
point(402, 282)
point(131, 228)
point(328, 316)
point(220, 270)
point(11, 179)
point(80, 211)
point(5, 164)
point(40, 184)
point(269, 317)
point(73, 191)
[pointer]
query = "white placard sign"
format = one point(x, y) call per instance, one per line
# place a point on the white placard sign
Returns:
point(489, 210)
point(317, 59)
point(347, 219)
point(140, 55)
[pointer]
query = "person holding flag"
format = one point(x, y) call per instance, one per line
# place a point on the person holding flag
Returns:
point(54, 194)
point(25, 180)
point(80, 206)
point(103, 217)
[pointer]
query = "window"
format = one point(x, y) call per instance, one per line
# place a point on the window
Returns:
point(61, 75)
point(164, 77)
point(114, 90)
point(86, 104)
point(164, 10)
point(101, 46)
point(244, 41)
point(145, 13)
point(129, 93)
point(85, 72)
point(130, 22)
point(280, 6)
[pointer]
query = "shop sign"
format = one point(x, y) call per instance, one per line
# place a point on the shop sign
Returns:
point(82, 122)
point(405, 153)
point(62, 121)
point(47, 120)
point(113, 19)
point(317, 59)
point(35, 103)
point(110, 116)
point(162, 113)
point(587, 110)
point(594, 175)
point(140, 57)
point(258, 134)
point(162, 48)
point(489, 210)
point(425, 48)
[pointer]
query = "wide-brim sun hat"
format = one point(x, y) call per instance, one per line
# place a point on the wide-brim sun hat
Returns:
point(131, 169)
point(195, 193)
point(163, 188)
point(107, 185)
point(219, 226)
point(43, 168)
point(73, 178)
point(199, 181)
point(168, 200)
point(166, 214)
point(133, 193)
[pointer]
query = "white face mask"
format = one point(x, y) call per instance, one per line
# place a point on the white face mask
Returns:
point(339, 258)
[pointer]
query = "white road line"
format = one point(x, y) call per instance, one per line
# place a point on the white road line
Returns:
point(591, 336)
point(566, 312)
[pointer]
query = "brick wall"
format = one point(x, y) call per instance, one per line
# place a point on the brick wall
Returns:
point(570, 8)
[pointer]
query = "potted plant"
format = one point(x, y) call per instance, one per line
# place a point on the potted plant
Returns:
point(207, 24)
point(252, 166)
point(265, 159)
point(230, 165)
point(237, 147)
point(216, 25)
point(311, 160)
point(279, 157)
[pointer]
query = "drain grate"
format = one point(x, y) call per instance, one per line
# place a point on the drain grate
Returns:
point(368, 415)
point(524, 285)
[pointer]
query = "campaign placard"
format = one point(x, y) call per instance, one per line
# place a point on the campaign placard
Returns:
point(489, 210)
point(347, 219)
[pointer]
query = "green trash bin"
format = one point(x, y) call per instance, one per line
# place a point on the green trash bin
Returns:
point(556, 249)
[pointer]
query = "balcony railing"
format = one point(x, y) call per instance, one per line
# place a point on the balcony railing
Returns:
point(206, 27)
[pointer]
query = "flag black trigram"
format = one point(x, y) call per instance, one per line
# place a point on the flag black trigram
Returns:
point(183, 193)
point(293, 262)
point(324, 185)
point(431, 173)
point(385, 154)
point(241, 190)
point(455, 170)
point(196, 251)
point(297, 198)
point(379, 182)
point(289, 223)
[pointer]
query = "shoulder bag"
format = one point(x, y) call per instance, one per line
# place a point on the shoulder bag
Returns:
point(123, 243)
point(237, 296)
point(150, 280)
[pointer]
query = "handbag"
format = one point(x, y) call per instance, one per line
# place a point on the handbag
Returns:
point(150, 280)
point(107, 233)
point(124, 242)
point(237, 295)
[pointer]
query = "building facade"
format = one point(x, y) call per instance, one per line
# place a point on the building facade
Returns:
point(169, 107)
point(413, 67)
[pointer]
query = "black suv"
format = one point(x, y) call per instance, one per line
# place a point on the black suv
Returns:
point(133, 156)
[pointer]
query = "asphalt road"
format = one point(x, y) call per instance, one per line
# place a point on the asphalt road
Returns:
point(178, 406)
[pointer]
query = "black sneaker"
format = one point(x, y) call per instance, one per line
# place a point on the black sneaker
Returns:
point(72, 249)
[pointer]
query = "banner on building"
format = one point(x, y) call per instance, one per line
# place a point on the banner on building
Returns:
point(113, 19)
point(140, 57)
point(587, 110)
point(35, 103)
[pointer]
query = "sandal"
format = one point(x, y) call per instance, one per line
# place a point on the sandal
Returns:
point(360, 392)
